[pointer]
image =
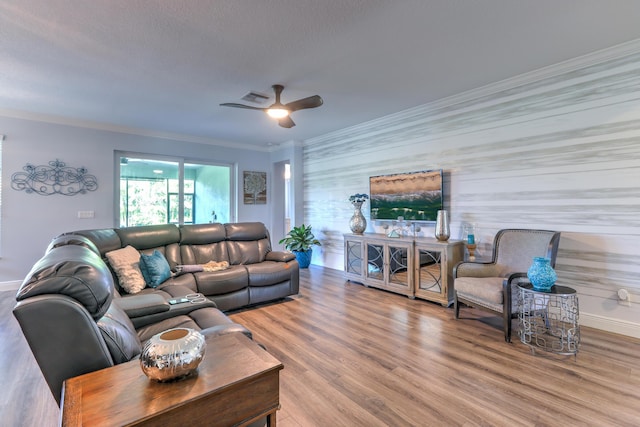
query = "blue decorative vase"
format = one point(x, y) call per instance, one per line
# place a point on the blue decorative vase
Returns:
point(303, 257)
point(541, 275)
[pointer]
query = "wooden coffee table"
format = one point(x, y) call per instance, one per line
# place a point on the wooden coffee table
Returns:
point(236, 383)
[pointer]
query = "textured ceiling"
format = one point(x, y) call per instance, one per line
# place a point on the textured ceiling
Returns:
point(165, 66)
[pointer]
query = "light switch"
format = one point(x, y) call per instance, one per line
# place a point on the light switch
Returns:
point(86, 214)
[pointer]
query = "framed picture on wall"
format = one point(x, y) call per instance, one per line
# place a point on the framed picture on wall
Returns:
point(254, 186)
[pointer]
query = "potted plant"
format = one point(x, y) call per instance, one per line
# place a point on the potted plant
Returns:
point(300, 240)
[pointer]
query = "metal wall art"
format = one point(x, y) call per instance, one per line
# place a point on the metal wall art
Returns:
point(255, 188)
point(56, 178)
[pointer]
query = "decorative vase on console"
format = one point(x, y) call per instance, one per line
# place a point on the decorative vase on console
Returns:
point(442, 232)
point(541, 275)
point(358, 223)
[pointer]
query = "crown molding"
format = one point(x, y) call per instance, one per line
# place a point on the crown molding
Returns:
point(594, 58)
point(87, 124)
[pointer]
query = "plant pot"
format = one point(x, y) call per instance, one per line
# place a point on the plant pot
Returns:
point(303, 257)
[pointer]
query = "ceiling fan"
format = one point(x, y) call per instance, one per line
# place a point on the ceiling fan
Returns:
point(280, 111)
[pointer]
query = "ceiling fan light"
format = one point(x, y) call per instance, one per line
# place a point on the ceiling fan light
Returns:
point(277, 113)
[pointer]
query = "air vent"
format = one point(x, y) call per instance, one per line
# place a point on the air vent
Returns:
point(255, 97)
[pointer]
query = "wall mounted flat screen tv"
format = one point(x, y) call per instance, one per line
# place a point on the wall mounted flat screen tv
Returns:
point(415, 196)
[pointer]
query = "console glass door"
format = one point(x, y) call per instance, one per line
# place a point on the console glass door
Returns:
point(398, 265)
point(354, 257)
point(430, 277)
point(375, 261)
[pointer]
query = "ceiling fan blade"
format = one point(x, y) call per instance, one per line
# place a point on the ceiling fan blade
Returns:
point(301, 104)
point(286, 122)
point(248, 107)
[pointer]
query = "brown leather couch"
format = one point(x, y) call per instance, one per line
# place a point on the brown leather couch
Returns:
point(77, 319)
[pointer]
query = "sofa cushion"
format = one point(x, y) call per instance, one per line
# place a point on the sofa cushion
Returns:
point(268, 273)
point(149, 236)
point(186, 281)
point(181, 321)
point(126, 264)
point(246, 231)
point(247, 252)
point(106, 239)
point(202, 234)
point(222, 282)
point(155, 268)
point(203, 253)
point(247, 242)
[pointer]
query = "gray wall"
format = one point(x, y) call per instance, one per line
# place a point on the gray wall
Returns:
point(29, 221)
point(555, 149)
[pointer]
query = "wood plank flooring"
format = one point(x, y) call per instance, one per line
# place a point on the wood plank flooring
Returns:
point(357, 356)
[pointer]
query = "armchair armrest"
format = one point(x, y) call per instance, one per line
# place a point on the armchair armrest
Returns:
point(142, 305)
point(510, 299)
point(476, 269)
point(280, 256)
point(516, 278)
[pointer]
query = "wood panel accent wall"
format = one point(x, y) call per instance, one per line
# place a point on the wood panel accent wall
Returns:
point(557, 149)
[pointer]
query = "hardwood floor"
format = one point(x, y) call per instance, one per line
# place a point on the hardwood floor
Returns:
point(357, 356)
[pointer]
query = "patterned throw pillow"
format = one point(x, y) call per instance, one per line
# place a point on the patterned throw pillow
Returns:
point(155, 268)
point(126, 264)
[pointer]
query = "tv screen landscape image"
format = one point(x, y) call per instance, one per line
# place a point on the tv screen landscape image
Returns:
point(415, 196)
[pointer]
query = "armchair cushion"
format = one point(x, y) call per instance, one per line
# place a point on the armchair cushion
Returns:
point(473, 269)
point(488, 289)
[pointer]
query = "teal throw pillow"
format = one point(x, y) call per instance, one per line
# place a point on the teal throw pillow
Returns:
point(155, 268)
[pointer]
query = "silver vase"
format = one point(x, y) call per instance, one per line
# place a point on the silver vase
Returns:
point(172, 354)
point(442, 226)
point(358, 222)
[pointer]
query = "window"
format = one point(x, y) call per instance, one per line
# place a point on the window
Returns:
point(157, 190)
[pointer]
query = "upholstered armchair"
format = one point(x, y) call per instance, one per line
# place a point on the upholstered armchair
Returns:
point(489, 285)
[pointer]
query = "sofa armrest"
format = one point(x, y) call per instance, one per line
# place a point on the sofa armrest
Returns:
point(174, 310)
point(280, 256)
point(142, 305)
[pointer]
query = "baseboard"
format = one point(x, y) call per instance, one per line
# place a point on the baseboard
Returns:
point(616, 326)
point(10, 286)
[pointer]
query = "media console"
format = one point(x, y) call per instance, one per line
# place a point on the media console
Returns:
point(416, 267)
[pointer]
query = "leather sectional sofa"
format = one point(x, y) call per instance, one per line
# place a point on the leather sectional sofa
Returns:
point(256, 274)
point(77, 317)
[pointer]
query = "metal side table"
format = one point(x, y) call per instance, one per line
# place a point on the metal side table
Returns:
point(549, 319)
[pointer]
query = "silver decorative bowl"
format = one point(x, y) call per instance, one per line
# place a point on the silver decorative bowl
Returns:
point(172, 354)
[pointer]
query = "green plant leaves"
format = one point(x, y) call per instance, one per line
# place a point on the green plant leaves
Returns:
point(300, 239)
